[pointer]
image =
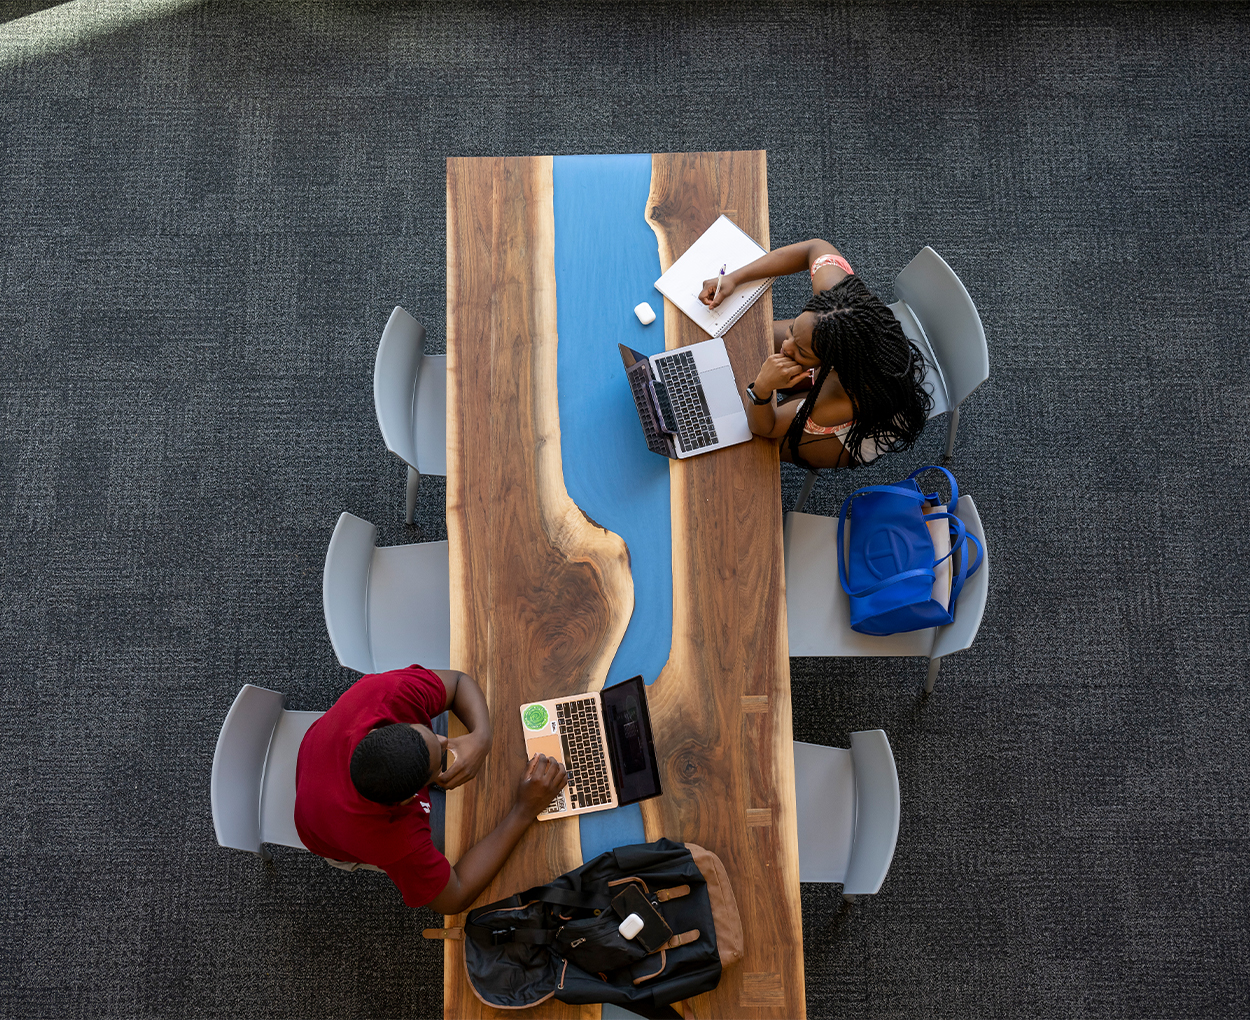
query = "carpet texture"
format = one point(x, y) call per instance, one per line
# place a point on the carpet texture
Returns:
point(207, 212)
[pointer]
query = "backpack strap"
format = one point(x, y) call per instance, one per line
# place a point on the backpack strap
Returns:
point(682, 939)
point(485, 935)
point(664, 895)
point(496, 935)
point(566, 897)
point(455, 934)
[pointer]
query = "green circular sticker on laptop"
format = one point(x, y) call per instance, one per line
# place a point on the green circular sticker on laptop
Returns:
point(535, 717)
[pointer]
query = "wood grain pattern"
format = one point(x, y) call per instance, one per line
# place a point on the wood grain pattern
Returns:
point(541, 595)
point(721, 707)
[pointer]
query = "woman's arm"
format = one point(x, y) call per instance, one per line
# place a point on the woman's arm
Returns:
point(793, 258)
point(778, 371)
point(774, 422)
point(825, 451)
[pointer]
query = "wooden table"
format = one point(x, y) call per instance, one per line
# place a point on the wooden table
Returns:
point(541, 596)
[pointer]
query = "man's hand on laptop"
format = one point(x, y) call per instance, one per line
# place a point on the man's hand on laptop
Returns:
point(544, 777)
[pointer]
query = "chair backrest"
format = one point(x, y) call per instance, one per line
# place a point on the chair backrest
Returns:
point(934, 382)
point(410, 606)
point(957, 636)
point(877, 809)
point(239, 766)
point(396, 372)
point(430, 416)
point(824, 793)
point(345, 591)
point(277, 795)
point(937, 297)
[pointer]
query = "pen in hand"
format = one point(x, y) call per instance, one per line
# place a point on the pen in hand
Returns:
point(719, 280)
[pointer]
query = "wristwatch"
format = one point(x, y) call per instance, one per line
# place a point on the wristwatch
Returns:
point(756, 400)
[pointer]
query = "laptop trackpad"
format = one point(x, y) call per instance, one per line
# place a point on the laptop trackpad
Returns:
point(721, 392)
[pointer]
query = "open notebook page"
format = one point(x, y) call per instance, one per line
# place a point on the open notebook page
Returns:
point(723, 243)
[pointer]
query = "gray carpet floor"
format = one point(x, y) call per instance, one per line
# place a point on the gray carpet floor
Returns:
point(207, 211)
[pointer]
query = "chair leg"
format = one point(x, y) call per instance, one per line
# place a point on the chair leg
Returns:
point(934, 666)
point(951, 426)
point(849, 899)
point(414, 482)
point(806, 491)
point(265, 855)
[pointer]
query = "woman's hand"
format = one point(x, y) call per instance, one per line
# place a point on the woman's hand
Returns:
point(777, 372)
point(709, 288)
point(469, 753)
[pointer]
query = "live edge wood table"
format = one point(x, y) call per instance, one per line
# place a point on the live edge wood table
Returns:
point(541, 595)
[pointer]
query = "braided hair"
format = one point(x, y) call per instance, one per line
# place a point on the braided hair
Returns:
point(859, 337)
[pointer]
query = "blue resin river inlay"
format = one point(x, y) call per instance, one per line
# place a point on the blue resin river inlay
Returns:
point(607, 261)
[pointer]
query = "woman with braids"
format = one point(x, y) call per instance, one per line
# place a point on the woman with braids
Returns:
point(865, 397)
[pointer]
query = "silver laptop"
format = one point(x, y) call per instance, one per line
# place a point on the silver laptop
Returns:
point(688, 400)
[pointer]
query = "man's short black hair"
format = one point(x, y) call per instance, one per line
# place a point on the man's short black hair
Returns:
point(390, 764)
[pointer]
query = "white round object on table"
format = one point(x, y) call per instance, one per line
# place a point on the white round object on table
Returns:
point(630, 927)
point(645, 314)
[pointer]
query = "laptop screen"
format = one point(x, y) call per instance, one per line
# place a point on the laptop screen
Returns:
point(641, 381)
point(628, 725)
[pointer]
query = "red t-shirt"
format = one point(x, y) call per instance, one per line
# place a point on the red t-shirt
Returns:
point(335, 821)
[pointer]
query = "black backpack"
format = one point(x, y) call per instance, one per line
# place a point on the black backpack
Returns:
point(562, 939)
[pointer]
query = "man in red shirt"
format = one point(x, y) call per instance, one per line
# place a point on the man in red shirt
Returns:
point(362, 774)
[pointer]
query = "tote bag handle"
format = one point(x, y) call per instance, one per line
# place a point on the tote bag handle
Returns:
point(957, 583)
point(958, 527)
point(935, 496)
point(964, 573)
point(963, 533)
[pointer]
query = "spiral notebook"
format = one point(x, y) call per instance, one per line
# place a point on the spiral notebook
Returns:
point(723, 243)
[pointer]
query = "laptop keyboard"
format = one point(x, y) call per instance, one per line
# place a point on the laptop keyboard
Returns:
point(582, 735)
point(685, 393)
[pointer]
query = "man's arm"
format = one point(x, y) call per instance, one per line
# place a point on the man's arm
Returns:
point(466, 700)
point(544, 777)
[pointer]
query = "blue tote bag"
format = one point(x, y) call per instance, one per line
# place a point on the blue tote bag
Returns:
point(887, 562)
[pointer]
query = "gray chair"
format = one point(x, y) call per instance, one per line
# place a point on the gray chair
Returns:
point(253, 784)
point(410, 398)
point(386, 608)
point(940, 320)
point(848, 812)
point(818, 611)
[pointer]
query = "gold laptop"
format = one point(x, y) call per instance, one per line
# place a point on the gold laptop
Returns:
point(604, 741)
